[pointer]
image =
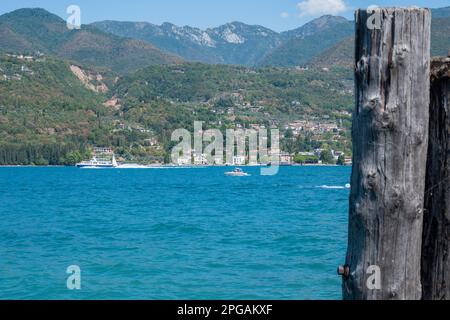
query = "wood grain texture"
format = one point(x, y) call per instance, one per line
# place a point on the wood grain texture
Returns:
point(436, 232)
point(390, 137)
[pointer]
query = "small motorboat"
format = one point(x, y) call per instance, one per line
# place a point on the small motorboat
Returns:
point(237, 173)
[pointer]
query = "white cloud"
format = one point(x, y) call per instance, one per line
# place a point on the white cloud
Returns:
point(321, 7)
point(284, 15)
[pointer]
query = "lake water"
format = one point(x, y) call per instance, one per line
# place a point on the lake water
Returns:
point(173, 233)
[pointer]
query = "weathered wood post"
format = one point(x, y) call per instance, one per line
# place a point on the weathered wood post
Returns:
point(390, 137)
point(436, 234)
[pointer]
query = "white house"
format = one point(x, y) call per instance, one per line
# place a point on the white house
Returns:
point(239, 160)
point(285, 158)
point(200, 159)
point(184, 161)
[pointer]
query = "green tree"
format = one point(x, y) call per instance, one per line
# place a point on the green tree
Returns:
point(73, 158)
point(304, 159)
point(341, 160)
point(327, 157)
point(289, 134)
point(41, 162)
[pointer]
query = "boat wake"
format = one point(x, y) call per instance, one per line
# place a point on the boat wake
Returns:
point(132, 166)
point(347, 186)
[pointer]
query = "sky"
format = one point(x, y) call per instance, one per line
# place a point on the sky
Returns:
point(279, 15)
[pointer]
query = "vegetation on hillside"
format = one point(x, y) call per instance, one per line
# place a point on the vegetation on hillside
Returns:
point(309, 90)
point(43, 105)
point(342, 54)
point(45, 111)
point(62, 92)
point(300, 51)
point(33, 30)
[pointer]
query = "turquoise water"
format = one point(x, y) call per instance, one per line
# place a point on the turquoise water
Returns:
point(172, 233)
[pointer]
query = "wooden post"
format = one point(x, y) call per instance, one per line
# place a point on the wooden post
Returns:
point(390, 137)
point(436, 235)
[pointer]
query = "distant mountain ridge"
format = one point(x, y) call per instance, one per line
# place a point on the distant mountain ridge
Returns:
point(313, 27)
point(343, 52)
point(129, 46)
point(242, 44)
point(232, 43)
point(235, 43)
point(312, 39)
point(441, 12)
point(31, 30)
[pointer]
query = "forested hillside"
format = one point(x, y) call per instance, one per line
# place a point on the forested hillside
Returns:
point(47, 103)
point(45, 111)
point(33, 30)
point(343, 52)
point(308, 42)
point(62, 92)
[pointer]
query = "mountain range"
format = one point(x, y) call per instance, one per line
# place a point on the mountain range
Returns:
point(342, 53)
point(255, 46)
point(233, 43)
point(32, 30)
point(130, 46)
point(237, 43)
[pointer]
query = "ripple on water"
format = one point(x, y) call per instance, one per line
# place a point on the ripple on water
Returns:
point(172, 234)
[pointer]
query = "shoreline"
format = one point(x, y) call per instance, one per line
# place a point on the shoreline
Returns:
point(168, 166)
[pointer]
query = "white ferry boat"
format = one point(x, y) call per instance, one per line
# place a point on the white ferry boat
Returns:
point(97, 162)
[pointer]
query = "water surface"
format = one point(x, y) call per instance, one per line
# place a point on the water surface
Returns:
point(172, 233)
